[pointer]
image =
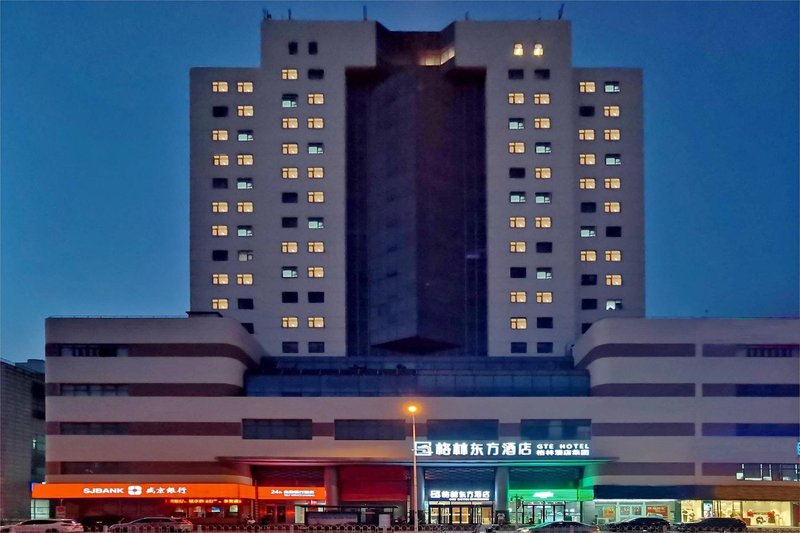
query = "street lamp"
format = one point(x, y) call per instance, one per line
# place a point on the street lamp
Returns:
point(413, 410)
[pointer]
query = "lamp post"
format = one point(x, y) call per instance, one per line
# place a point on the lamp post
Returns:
point(415, 503)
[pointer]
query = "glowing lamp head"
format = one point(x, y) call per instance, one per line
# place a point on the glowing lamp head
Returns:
point(412, 409)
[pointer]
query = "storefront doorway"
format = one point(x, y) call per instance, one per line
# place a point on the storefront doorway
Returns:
point(540, 513)
point(460, 514)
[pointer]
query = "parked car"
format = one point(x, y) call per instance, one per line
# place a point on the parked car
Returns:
point(641, 523)
point(713, 524)
point(153, 524)
point(561, 526)
point(97, 522)
point(44, 525)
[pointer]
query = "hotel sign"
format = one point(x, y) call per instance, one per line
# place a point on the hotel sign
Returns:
point(459, 495)
point(502, 450)
point(291, 493)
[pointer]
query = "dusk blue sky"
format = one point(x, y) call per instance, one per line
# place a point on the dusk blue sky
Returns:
point(95, 177)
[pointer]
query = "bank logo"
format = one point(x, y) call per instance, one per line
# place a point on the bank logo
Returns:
point(135, 490)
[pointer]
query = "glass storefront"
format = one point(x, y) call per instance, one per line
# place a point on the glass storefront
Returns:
point(617, 510)
point(754, 513)
point(459, 514)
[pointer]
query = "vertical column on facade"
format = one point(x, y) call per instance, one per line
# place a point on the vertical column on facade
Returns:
point(331, 485)
point(501, 494)
point(421, 494)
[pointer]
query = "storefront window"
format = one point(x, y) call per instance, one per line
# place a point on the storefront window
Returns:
point(614, 511)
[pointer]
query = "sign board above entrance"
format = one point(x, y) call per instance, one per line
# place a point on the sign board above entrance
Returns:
point(502, 450)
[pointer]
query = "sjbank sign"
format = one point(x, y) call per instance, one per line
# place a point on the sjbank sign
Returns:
point(502, 450)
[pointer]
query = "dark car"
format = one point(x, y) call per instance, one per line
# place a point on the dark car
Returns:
point(713, 524)
point(641, 523)
point(96, 522)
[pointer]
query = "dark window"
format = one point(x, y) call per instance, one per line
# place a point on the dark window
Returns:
point(316, 74)
point(541, 73)
point(516, 172)
point(585, 326)
point(463, 429)
point(219, 111)
point(518, 272)
point(544, 247)
point(613, 231)
point(516, 74)
point(249, 327)
point(289, 197)
point(290, 347)
point(94, 428)
point(589, 303)
point(544, 322)
point(245, 303)
point(519, 347)
point(316, 347)
point(294, 429)
point(588, 279)
point(219, 255)
point(289, 297)
point(219, 183)
point(369, 429)
point(316, 297)
point(313, 48)
point(580, 429)
point(292, 48)
point(750, 430)
point(588, 207)
point(544, 347)
point(289, 222)
point(586, 110)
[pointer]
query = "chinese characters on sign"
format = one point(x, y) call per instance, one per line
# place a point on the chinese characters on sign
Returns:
point(460, 495)
point(501, 449)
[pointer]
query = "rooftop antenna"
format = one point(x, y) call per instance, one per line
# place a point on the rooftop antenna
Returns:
point(267, 15)
point(560, 11)
point(290, 14)
point(466, 15)
point(364, 12)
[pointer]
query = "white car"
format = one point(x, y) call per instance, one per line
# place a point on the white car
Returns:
point(153, 524)
point(562, 526)
point(44, 525)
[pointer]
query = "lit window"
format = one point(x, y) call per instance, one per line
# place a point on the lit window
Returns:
point(543, 173)
point(613, 279)
point(316, 98)
point(244, 183)
point(611, 111)
point(289, 173)
point(613, 159)
point(543, 148)
point(611, 135)
point(612, 183)
point(588, 231)
point(516, 98)
point(289, 100)
point(315, 173)
point(516, 197)
point(244, 160)
point(245, 255)
point(518, 50)
point(517, 247)
point(516, 124)
point(611, 86)
point(316, 272)
point(544, 273)
point(221, 160)
point(516, 222)
point(219, 231)
point(519, 322)
point(541, 123)
point(315, 197)
point(219, 279)
point(289, 74)
point(244, 110)
point(544, 297)
point(543, 222)
point(518, 297)
point(316, 321)
point(244, 231)
point(613, 255)
point(586, 86)
point(612, 207)
point(543, 198)
point(290, 148)
point(586, 183)
point(587, 159)
point(244, 207)
point(538, 49)
point(219, 303)
point(244, 135)
point(316, 148)
point(588, 255)
point(219, 207)
point(315, 123)
point(219, 135)
point(244, 86)
point(516, 147)
point(289, 123)
point(244, 279)
point(288, 247)
point(289, 272)
point(316, 223)
point(586, 135)
point(219, 86)
point(541, 98)
point(290, 322)
point(316, 247)
point(613, 305)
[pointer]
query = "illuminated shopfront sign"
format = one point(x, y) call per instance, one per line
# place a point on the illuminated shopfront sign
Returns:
point(502, 450)
point(205, 500)
point(453, 495)
point(557, 495)
point(47, 491)
point(291, 493)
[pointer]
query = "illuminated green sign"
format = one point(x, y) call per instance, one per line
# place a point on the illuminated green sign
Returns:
point(550, 495)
